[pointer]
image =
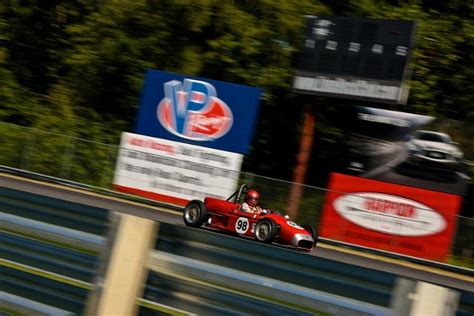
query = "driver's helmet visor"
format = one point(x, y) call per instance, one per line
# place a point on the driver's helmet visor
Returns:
point(253, 201)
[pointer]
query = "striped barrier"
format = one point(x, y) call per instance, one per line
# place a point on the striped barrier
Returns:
point(49, 251)
point(202, 272)
point(50, 260)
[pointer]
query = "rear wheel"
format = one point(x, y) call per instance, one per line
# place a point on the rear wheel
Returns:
point(265, 230)
point(195, 213)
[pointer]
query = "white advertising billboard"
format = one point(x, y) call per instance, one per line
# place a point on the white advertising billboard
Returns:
point(174, 172)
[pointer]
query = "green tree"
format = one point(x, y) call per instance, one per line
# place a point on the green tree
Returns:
point(243, 43)
point(33, 38)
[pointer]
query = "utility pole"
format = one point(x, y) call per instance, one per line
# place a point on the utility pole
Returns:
point(299, 174)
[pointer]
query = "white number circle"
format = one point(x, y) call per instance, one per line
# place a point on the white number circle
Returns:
point(293, 224)
point(241, 225)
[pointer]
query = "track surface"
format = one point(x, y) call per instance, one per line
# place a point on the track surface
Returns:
point(168, 215)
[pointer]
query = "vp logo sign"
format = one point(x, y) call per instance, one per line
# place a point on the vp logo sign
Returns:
point(193, 111)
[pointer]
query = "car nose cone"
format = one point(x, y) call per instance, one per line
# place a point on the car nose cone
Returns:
point(303, 241)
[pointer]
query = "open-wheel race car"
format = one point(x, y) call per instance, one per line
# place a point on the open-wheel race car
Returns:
point(266, 226)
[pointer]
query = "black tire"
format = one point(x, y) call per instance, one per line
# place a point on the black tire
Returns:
point(312, 231)
point(266, 230)
point(195, 213)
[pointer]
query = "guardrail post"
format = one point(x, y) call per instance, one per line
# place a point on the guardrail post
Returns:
point(434, 300)
point(402, 296)
point(126, 271)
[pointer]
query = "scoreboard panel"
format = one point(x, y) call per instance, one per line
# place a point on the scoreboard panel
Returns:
point(355, 58)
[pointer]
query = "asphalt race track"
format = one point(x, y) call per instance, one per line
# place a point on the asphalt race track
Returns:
point(172, 214)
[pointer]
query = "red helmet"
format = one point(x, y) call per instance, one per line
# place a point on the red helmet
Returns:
point(252, 197)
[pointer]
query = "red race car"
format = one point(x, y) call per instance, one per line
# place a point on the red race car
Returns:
point(266, 226)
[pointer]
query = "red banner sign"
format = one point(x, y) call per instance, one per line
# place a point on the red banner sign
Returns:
point(390, 217)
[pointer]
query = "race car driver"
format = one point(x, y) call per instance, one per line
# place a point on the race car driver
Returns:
point(251, 202)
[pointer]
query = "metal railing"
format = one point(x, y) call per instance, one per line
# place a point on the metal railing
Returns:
point(50, 251)
point(93, 163)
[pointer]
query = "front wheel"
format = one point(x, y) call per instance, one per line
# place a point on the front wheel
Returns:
point(266, 230)
point(195, 213)
point(312, 231)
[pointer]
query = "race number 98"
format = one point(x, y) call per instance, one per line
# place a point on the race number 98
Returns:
point(241, 225)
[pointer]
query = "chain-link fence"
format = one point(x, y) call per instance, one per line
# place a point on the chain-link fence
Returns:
point(93, 163)
point(57, 155)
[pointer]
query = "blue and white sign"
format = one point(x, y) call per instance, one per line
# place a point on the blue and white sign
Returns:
point(198, 111)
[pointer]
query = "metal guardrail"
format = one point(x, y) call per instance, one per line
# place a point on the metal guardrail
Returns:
point(57, 212)
point(280, 297)
point(430, 263)
point(274, 266)
point(49, 257)
point(87, 187)
point(49, 250)
point(203, 272)
point(39, 288)
point(280, 264)
point(48, 263)
point(24, 306)
point(52, 233)
point(466, 304)
point(68, 183)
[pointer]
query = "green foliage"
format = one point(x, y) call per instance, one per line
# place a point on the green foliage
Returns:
point(244, 43)
point(97, 53)
point(461, 261)
point(17, 103)
point(76, 68)
point(12, 144)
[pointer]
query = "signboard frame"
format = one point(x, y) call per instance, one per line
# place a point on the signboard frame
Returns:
point(433, 211)
point(356, 58)
point(236, 106)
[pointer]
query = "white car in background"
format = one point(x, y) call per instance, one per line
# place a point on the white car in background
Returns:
point(434, 149)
